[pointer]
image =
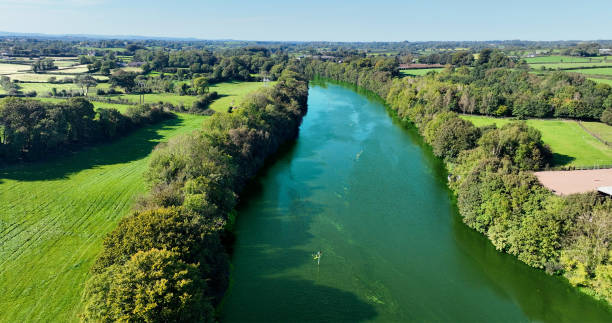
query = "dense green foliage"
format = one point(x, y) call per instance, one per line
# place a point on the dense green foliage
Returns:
point(195, 180)
point(31, 129)
point(491, 167)
point(152, 286)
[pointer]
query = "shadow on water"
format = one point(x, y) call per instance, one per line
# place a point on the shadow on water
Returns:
point(134, 146)
point(273, 248)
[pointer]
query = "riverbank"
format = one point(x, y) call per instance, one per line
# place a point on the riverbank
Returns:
point(369, 194)
point(497, 194)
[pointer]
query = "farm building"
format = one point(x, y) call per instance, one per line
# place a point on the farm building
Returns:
point(577, 181)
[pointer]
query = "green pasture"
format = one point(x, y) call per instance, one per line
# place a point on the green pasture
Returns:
point(73, 70)
point(595, 71)
point(570, 65)
point(54, 215)
point(6, 68)
point(43, 89)
point(600, 129)
point(420, 71)
point(561, 59)
point(570, 144)
point(105, 105)
point(598, 80)
point(44, 77)
point(229, 91)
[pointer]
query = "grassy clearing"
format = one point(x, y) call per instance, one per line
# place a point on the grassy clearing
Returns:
point(13, 68)
point(602, 130)
point(54, 215)
point(560, 59)
point(570, 143)
point(420, 72)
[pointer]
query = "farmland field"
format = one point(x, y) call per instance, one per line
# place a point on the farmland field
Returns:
point(73, 70)
point(560, 59)
point(595, 71)
point(43, 89)
point(54, 214)
point(106, 105)
point(570, 65)
point(602, 130)
point(605, 81)
point(570, 144)
point(12, 68)
point(43, 77)
point(420, 72)
point(229, 91)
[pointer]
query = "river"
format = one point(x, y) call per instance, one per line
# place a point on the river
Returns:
point(367, 194)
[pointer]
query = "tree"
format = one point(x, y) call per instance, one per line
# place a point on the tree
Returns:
point(126, 80)
point(153, 286)
point(85, 82)
point(201, 85)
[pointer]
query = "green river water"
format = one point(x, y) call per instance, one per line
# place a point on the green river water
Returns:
point(367, 193)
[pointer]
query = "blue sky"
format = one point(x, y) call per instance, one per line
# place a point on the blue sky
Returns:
point(357, 20)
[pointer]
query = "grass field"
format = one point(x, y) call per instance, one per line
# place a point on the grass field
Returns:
point(43, 89)
point(595, 71)
point(54, 215)
point(42, 77)
point(12, 68)
point(570, 143)
point(229, 91)
point(570, 65)
point(560, 59)
point(602, 130)
point(420, 72)
point(120, 107)
point(606, 81)
point(73, 70)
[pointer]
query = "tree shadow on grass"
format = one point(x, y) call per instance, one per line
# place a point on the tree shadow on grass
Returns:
point(134, 146)
point(561, 160)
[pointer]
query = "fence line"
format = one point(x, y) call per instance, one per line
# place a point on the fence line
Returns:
point(594, 134)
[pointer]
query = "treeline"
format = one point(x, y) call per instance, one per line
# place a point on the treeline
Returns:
point(166, 262)
point(488, 88)
point(490, 173)
point(31, 129)
point(221, 66)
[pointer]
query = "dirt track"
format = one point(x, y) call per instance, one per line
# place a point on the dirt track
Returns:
point(575, 181)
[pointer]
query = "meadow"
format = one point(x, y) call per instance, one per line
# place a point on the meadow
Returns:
point(601, 130)
point(419, 72)
point(54, 215)
point(6, 68)
point(228, 91)
point(570, 65)
point(561, 59)
point(43, 89)
point(570, 144)
point(598, 80)
point(595, 71)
